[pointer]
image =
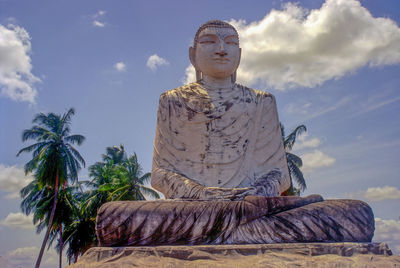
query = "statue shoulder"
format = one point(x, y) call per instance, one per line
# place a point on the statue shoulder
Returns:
point(264, 94)
point(259, 94)
point(177, 93)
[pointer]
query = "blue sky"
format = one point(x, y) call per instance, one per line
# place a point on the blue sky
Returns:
point(333, 66)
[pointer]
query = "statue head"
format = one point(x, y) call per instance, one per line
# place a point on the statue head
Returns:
point(215, 50)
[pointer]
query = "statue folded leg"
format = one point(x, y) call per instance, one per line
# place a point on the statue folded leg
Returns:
point(253, 220)
point(327, 221)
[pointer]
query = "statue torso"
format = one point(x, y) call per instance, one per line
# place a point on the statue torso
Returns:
point(223, 137)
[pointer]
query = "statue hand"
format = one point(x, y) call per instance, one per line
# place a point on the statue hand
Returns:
point(267, 185)
point(226, 193)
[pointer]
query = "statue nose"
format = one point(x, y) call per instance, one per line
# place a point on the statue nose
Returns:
point(221, 49)
point(221, 53)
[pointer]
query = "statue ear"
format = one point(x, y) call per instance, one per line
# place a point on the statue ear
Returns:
point(240, 55)
point(192, 56)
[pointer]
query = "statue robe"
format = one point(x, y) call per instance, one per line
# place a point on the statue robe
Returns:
point(219, 138)
point(225, 138)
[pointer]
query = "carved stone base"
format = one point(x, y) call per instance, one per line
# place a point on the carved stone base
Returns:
point(254, 255)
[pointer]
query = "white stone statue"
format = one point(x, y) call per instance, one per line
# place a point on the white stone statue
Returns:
point(216, 139)
point(220, 162)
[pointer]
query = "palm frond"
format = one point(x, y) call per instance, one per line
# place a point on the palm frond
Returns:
point(294, 159)
point(76, 154)
point(149, 192)
point(78, 139)
point(35, 133)
point(282, 130)
point(145, 178)
point(296, 173)
point(291, 138)
point(66, 119)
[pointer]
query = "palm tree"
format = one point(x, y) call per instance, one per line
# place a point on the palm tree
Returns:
point(128, 182)
point(294, 162)
point(80, 234)
point(101, 173)
point(117, 177)
point(116, 154)
point(54, 161)
point(39, 200)
point(63, 217)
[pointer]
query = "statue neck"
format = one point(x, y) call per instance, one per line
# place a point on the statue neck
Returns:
point(217, 83)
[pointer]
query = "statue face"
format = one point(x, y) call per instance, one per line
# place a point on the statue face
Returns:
point(217, 52)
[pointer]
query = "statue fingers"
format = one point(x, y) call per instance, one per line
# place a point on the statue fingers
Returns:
point(314, 198)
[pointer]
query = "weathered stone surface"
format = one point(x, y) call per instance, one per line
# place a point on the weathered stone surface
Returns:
point(225, 138)
point(256, 219)
point(219, 159)
point(216, 139)
point(262, 255)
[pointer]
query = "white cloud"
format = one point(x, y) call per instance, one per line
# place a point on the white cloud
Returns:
point(382, 193)
point(100, 13)
point(388, 231)
point(26, 257)
point(154, 61)
point(98, 23)
point(16, 78)
point(23, 256)
point(120, 66)
point(12, 180)
point(18, 221)
point(342, 102)
point(305, 142)
point(374, 103)
point(96, 19)
point(190, 75)
point(316, 159)
point(297, 47)
point(294, 108)
point(377, 193)
point(5, 263)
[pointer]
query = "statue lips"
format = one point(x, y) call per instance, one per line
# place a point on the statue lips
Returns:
point(221, 60)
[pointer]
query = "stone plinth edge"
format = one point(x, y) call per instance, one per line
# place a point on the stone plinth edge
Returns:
point(256, 255)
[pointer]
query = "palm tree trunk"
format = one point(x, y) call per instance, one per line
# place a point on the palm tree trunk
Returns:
point(46, 237)
point(61, 245)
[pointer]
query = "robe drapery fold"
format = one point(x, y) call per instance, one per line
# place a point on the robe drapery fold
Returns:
point(227, 137)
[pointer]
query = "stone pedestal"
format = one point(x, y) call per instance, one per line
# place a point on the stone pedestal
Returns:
point(255, 255)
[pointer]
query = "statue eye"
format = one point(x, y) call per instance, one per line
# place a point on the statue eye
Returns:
point(231, 40)
point(232, 43)
point(207, 42)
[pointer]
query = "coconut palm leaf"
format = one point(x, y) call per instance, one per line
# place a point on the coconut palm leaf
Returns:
point(291, 138)
point(294, 162)
point(53, 163)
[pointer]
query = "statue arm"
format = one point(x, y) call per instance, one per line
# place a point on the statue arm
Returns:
point(174, 186)
point(163, 177)
point(277, 180)
point(281, 179)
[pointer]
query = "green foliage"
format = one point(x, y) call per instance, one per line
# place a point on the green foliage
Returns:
point(117, 177)
point(69, 211)
point(53, 154)
point(127, 182)
point(294, 161)
point(55, 162)
point(80, 233)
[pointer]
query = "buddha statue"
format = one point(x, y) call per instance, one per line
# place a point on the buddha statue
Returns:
point(220, 162)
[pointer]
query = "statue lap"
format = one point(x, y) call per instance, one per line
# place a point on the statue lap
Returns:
point(252, 220)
